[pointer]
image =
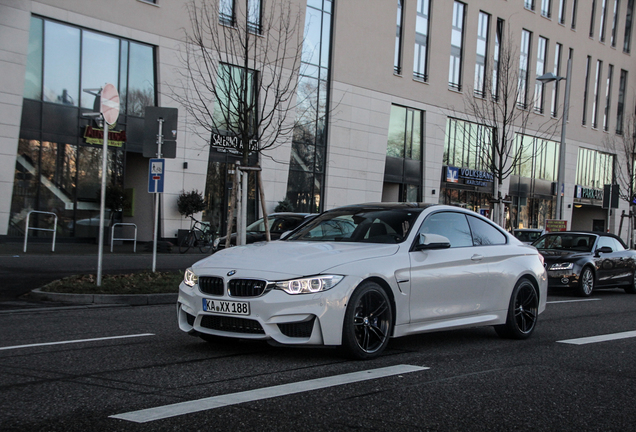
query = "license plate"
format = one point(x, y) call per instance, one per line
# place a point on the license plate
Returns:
point(226, 307)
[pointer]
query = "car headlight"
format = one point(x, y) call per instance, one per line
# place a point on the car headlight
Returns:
point(562, 266)
point(190, 278)
point(309, 285)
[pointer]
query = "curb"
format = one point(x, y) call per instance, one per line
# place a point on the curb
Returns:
point(105, 299)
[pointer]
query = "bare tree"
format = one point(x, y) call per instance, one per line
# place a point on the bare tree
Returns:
point(624, 147)
point(240, 74)
point(504, 109)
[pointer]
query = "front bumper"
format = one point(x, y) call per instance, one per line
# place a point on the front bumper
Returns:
point(304, 319)
point(562, 279)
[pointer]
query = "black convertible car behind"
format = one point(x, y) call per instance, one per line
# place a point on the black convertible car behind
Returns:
point(587, 261)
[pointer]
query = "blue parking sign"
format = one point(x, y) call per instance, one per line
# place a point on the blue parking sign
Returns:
point(156, 175)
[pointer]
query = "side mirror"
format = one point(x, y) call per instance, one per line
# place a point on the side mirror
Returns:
point(604, 249)
point(432, 241)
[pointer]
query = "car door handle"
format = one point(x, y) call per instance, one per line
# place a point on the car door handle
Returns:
point(477, 257)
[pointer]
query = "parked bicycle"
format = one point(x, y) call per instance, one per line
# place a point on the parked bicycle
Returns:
point(200, 235)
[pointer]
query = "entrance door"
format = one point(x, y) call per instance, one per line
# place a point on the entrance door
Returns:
point(598, 225)
point(218, 191)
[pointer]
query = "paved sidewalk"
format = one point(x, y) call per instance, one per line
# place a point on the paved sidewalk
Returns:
point(21, 272)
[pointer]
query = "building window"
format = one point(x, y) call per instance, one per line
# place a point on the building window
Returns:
point(601, 36)
point(562, 9)
point(457, 38)
point(542, 49)
point(405, 133)
point(309, 143)
point(627, 42)
point(546, 8)
point(483, 30)
point(574, 8)
point(594, 168)
point(620, 106)
point(586, 88)
point(226, 12)
point(557, 71)
point(536, 158)
point(233, 108)
point(597, 90)
point(608, 99)
point(496, 56)
point(466, 144)
point(617, 4)
point(254, 16)
point(76, 59)
point(397, 61)
point(529, 4)
point(420, 59)
point(592, 18)
point(524, 58)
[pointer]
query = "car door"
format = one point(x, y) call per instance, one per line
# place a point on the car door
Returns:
point(615, 267)
point(447, 283)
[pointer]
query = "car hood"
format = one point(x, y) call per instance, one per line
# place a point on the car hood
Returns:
point(291, 258)
point(559, 255)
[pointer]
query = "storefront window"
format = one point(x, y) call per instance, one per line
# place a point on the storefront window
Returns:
point(64, 179)
point(466, 144)
point(537, 158)
point(33, 77)
point(61, 63)
point(100, 63)
point(405, 133)
point(594, 169)
point(141, 79)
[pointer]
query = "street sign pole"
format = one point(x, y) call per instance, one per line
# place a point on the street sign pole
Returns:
point(155, 235)
point(109, 109)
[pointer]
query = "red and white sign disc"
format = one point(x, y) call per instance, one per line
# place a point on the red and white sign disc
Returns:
point(109, 104)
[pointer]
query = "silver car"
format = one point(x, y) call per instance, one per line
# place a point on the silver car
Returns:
point(356, 276)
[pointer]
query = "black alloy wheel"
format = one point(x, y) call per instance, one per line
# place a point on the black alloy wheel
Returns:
point(368, 322)
point(523, 312)
point(586, 282)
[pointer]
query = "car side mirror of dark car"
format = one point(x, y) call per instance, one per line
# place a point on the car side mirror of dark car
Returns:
point(604, 249)
point(432, 241)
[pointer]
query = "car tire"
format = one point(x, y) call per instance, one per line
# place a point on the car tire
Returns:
point(523, 312)
point(368, 322)
point(586, 282)
point(631, 289)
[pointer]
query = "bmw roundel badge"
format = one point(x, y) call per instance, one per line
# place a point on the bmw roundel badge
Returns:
point(231, 273)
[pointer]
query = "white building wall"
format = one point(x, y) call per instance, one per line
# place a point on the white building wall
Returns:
point(15, 18)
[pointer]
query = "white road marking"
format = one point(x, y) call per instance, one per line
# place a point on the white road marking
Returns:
point(572, 301)
point(167, 411)
point(600, 338)
point(74, 341)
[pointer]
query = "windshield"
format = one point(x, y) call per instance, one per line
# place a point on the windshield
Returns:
point(372, 225)
point(527, 236)
point(566, 241)
point(277, 224)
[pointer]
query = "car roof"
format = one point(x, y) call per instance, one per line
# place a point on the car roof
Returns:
point(595, 233)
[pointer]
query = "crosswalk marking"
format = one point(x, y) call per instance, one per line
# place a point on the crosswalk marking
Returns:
point(167, 411)
point(600, 338)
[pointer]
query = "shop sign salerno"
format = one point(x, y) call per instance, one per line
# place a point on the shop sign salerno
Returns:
point(468, 176)
point(96, 136)
point(231, 143)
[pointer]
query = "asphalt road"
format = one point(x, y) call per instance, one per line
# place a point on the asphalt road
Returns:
point(465, 380)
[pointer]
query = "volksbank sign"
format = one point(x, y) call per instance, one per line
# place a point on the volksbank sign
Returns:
point(468, 176)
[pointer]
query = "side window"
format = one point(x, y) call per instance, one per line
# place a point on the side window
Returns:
point(484, 233)
point(606, 241)
point(618, 246)
point(450, 225)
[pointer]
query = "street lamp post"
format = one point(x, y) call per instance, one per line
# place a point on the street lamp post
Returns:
point(546, 78)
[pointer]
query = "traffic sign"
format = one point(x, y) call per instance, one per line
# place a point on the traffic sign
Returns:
point(109, 104)
point(156, 175)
